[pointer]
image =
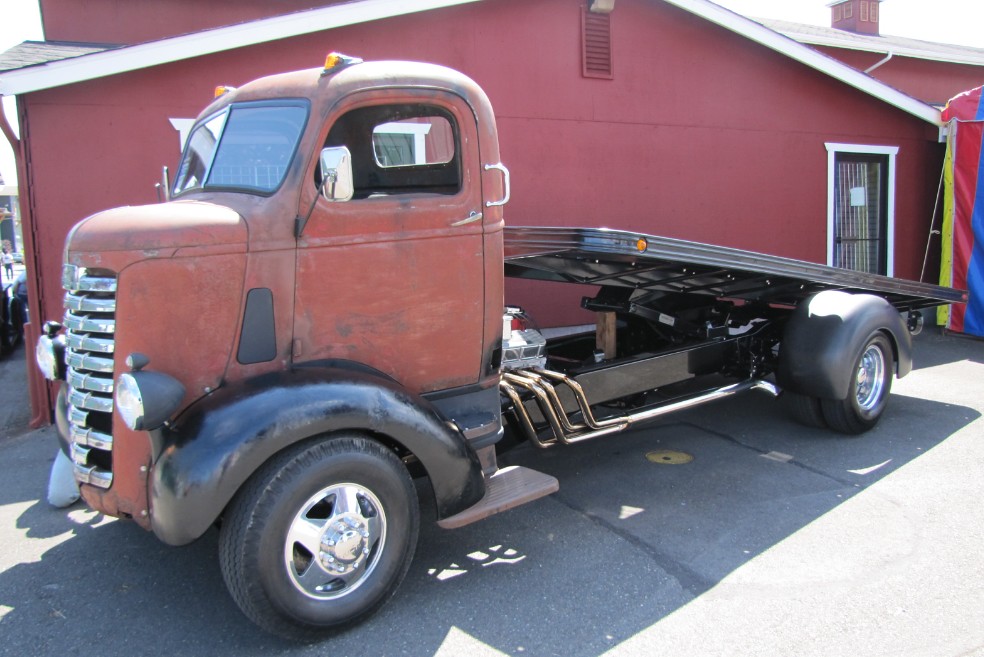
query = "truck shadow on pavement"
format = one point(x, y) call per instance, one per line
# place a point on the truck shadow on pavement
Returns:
point(934, 347)
point(625, 542)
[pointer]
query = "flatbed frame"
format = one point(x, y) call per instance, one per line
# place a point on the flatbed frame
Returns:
point(595, 256)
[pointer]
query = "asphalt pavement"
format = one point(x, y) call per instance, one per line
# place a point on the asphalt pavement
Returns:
point(772, 540)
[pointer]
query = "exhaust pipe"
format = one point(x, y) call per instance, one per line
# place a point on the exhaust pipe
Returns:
point(567, 432)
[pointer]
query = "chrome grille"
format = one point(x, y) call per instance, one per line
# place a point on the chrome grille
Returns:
point(90, 327)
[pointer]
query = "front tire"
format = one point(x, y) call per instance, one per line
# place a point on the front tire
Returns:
point(871, 383)
point(320, 537)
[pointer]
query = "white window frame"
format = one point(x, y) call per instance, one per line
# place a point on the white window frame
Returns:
point(419, 132)
point(891, 151)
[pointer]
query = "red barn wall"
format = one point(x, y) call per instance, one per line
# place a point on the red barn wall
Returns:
point(134, 21)
point(701, 134)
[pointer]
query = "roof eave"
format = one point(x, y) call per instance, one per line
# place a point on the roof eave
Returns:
point(88, 67)
point(207, 42)
point(810, 57)
point(900, 51)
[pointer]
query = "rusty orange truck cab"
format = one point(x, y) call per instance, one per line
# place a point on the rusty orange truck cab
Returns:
point(316, 316)
point(260, 293)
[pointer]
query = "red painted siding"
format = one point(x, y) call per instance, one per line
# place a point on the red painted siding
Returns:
point(701, 134)
point(129, 22)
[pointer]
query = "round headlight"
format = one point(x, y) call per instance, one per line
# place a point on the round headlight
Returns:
point(146, 400)
point(129, 401)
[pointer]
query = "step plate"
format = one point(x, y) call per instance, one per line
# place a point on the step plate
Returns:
point(506, 489)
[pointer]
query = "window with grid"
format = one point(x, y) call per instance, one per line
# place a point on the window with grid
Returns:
point(860, 212)
point(861, 206)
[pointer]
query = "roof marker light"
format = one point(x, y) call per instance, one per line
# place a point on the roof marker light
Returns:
point(337, 60)
point(222, 90)
point(642, 245)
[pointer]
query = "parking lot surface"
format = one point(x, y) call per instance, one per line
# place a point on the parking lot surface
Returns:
point(724, 530)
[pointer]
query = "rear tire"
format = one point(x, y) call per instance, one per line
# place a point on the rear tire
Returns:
point(320, 537)
point(805, 409)
point(871, 383)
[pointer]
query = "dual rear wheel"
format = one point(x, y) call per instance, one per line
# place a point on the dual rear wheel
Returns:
point(871, 383)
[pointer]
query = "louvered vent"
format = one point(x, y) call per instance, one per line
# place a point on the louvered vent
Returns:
point(596, 45)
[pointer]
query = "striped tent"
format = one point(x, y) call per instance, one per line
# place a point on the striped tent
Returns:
point(963, 212)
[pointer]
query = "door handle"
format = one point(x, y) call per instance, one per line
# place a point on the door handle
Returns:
point(505, 184)
point(474, 216)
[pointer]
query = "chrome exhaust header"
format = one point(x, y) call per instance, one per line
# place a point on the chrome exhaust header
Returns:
point(538, 383)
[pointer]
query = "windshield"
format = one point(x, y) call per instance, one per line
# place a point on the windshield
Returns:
point(245, 147)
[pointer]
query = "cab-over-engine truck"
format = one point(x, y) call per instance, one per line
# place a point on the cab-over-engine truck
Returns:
point(315, 317)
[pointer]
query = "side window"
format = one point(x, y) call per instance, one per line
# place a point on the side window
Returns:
point(400, 149)
point(413, 142)
point(201, 150)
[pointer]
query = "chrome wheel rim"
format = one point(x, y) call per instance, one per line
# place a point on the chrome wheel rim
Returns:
point(334, 542)
point(870, 378)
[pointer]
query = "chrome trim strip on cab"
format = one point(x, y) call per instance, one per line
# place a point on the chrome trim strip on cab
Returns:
point(90, 401)
point(89, 382)
point(91, 438)
point(87, 362)
point(89, 474)
point(85, 342)
point(85, 303)
point(78, 279)
point(89, 324)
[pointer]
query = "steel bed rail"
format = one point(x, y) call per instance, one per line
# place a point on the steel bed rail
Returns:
point(596, 256)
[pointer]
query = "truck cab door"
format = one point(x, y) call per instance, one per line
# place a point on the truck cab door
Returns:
point(394, 278)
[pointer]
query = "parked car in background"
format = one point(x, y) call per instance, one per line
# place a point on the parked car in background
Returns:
point(13, 314)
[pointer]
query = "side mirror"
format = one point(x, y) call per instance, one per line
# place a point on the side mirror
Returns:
point(336, 174)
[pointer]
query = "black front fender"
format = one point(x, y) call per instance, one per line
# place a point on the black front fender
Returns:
point(224, 438)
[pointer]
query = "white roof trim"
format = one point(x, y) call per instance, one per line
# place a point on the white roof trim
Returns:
point(130, 58)
point(810, 57)
point(897, 49)
point(154, 53)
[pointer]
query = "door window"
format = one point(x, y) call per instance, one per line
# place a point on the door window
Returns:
point(400, 149)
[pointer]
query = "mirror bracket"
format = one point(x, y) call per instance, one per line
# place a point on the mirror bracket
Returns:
point(337, 182)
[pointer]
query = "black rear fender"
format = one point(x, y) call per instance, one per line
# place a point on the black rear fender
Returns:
point(825, 334)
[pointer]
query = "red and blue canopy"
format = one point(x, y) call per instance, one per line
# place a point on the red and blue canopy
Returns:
point(963, 211)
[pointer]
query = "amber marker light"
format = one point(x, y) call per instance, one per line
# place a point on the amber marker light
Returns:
point(642, 244)
point(338, 60)
point(332, 60)
point(222, 90)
